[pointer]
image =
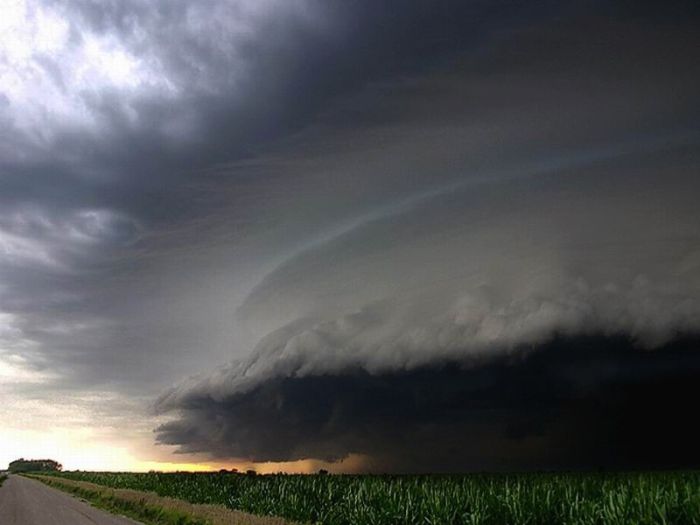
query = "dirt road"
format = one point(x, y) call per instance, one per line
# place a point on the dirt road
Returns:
point(28, 502)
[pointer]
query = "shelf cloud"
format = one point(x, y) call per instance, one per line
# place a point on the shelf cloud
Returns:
point(392, 311)
point(352, 224)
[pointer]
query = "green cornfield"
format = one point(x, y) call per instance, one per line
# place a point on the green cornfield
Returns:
point(499, 499)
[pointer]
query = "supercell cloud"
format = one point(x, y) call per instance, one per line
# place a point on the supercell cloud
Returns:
point(442, 237)
point(532, 301)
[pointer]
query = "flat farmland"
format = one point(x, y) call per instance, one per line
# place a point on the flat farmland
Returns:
point(543, 498)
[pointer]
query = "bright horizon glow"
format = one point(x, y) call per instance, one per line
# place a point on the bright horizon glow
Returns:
point(75, 454)
point(77, 450)
point(64, 432)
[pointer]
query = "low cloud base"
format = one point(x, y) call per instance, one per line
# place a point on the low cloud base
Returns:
point(583, 402)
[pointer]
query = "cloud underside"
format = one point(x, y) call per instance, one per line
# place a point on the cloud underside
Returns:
point(582, 402)
point(340, 193)
point(505, 325)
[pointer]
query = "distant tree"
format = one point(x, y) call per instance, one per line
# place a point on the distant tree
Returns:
point(35, 465)
point(323, 472)
point(250, 472)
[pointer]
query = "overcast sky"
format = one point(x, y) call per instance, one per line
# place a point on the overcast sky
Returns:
point(281, 230)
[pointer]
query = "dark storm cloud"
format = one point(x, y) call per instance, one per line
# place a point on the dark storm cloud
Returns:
point(583, 402)
point(219, 82)
point(321, 176)
point(596, 271)
point(238, 75)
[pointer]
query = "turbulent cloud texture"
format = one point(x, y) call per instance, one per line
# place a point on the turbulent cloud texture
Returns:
point(583, 402)
point(344, 197)
point(400, 326)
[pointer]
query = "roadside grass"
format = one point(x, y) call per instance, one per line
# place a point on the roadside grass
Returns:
point(152, 509)
point(137, 510)
point(2, 479)
point(639, 498)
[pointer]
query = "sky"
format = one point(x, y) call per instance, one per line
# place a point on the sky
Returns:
point(362, 236)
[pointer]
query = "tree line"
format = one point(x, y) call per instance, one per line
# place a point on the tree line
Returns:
point(34, 465)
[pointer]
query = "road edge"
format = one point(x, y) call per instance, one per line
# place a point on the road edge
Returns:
point(146, 514)
point(152, 509)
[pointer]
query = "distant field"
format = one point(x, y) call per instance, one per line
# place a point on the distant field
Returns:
point(634, 498)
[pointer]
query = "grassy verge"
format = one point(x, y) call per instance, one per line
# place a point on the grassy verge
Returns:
point(152, 509)
point(639, 498)
point(139, 510)
point(2, 479)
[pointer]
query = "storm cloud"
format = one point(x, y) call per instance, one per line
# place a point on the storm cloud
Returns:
point(426, 351)
point(341, 197)
point(573, 403)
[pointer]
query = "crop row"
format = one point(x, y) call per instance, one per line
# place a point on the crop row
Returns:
point(576, 499)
